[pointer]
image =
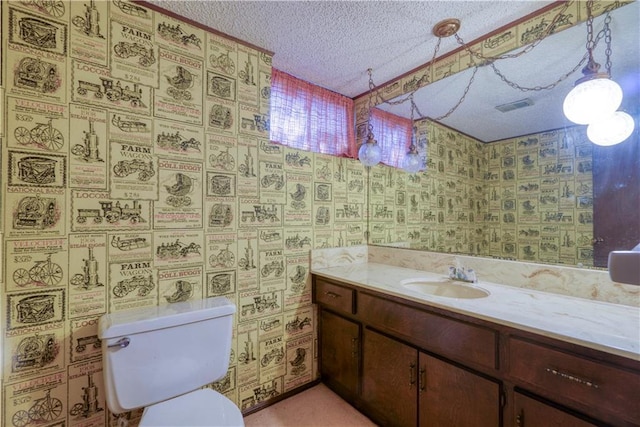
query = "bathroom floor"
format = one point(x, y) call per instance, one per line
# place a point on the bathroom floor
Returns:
point(315, 407)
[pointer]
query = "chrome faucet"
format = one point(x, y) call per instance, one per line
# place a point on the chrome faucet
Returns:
point(462, 274)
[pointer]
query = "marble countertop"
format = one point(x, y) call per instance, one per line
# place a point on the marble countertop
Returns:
point(607, 327)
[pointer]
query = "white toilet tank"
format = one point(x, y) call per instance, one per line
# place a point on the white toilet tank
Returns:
point(153, 354)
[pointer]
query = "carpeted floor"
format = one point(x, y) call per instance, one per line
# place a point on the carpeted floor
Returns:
point(315, 407)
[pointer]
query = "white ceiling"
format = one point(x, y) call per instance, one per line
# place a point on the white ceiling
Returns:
point(333, 43)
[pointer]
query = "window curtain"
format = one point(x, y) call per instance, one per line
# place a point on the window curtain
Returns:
point(311, 118)
point(393, 134)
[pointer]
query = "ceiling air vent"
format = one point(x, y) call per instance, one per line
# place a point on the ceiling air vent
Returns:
point(515, 105)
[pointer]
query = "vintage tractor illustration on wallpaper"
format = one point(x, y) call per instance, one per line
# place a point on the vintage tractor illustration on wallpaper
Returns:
point(34, 352)
point(43, 135)
point(275, 179)
point(178, 192)
point(112, 213)
point(144, 285)
point(43, 273)
point(89, 404)
point(145, 54)
point(275, 355)
point(88, 279)
point(43, 410)
point(88, 150)
point(298, 279)
point(174, 141)
point(127, 167)
point(274, 267)
point(36, 74)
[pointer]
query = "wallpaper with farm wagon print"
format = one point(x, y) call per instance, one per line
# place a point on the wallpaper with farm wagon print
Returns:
point(137, 171)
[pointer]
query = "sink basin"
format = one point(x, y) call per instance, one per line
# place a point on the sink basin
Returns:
point(444, 288)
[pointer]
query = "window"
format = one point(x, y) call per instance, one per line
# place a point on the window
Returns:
point(393, 134)
point(311, 118)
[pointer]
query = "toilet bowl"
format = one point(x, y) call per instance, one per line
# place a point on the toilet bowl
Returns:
point(159, 358)
point(203, 407)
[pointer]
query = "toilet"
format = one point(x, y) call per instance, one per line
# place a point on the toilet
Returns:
point(160, 357)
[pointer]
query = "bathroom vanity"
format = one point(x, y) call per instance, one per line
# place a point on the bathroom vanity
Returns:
point(513, 358)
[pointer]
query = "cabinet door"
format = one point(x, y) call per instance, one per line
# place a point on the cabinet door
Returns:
point(339, 354)
point(389, 379)
point(529, 412)
point(451, 396)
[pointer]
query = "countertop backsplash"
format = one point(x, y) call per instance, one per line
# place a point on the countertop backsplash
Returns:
point(563, 280)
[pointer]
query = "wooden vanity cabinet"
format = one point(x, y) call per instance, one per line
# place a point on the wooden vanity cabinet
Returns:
point(530, 412)
point(340, 353)
point(408, 364)
point(401, 384)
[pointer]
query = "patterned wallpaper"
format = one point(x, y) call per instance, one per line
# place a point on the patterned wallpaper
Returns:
point(527, 198)
point(137, 171)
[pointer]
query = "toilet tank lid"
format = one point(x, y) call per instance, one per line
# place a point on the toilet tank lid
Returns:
point(145, 319)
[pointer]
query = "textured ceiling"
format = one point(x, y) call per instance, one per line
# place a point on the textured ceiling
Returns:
point(333, 43)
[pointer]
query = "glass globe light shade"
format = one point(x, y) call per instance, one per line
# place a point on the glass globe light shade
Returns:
point(612, 129)
point(591, 99)
point(370, 152)
point(412, 162)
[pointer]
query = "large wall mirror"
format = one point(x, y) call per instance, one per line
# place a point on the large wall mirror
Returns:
point(524, 183)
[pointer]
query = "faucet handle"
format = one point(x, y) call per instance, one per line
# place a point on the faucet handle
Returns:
point(471, 275)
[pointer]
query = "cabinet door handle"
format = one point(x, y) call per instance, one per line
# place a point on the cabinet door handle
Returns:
point(332, 294)
point(423, 380)
point(354, 348)
point(572, 377)
point(412, 374)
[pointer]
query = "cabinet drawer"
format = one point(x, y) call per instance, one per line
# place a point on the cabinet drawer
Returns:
point(334, 296)
point(600, 388)
point(443, 335)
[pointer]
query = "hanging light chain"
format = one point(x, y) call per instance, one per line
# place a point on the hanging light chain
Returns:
point(591, 44)
point(528, 48)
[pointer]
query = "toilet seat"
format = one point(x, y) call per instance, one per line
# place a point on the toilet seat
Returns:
point(204, 407)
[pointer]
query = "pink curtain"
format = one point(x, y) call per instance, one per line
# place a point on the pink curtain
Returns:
point(393, 134)
point(311, 118)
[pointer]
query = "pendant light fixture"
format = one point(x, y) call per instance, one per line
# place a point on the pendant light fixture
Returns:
point(412, 162)
point(370, 152)
point(595, 95)
point(611, 130)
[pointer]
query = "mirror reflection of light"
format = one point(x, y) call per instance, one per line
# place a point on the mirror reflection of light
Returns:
point(611, 130)
point(591, 99)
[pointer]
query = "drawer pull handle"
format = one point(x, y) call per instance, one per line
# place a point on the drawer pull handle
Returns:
point(423, 380)
point(412, 374)
point(332, 294)
point(570, 377)
point(354, 348)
